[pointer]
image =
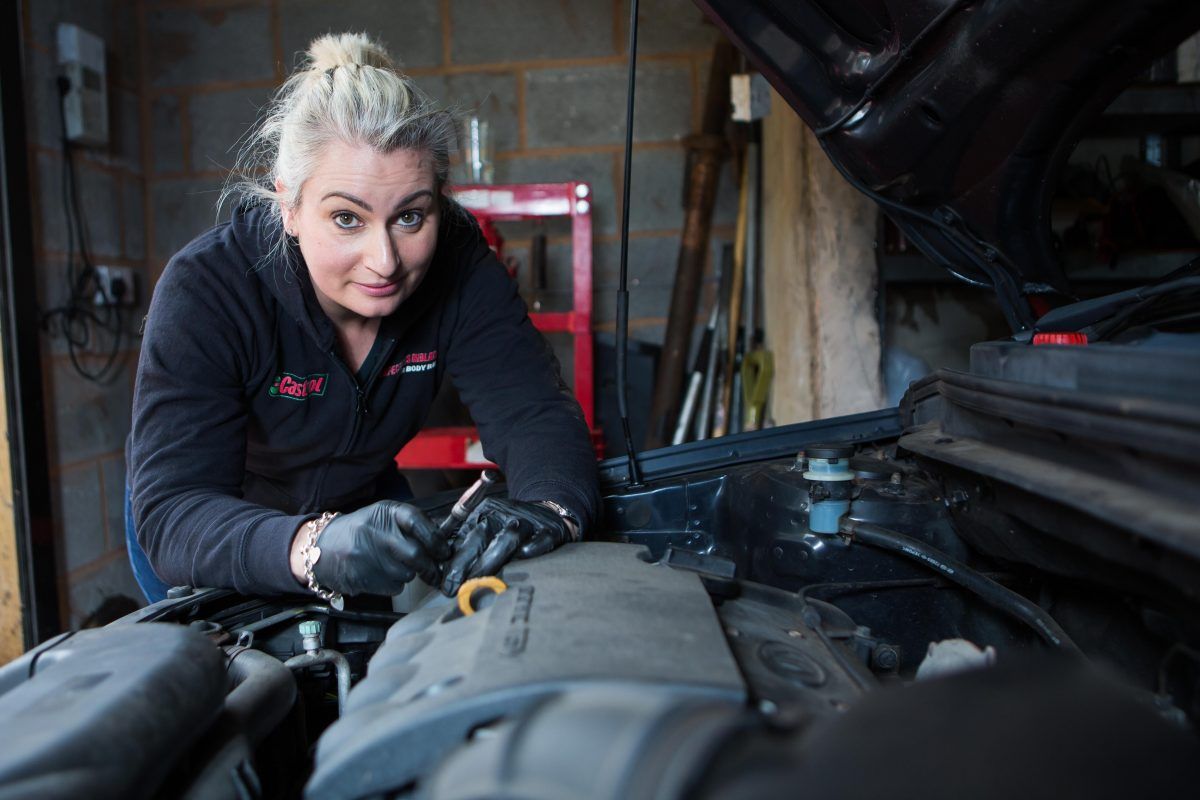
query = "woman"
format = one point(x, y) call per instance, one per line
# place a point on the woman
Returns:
point(290, 353)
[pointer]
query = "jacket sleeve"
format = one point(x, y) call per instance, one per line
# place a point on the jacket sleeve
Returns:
point(529, 422)
point(187, 448)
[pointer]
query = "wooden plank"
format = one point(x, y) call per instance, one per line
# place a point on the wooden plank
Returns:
point(819, 279)
point(12, 637)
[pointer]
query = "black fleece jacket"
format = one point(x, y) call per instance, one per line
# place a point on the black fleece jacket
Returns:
point(246, 421)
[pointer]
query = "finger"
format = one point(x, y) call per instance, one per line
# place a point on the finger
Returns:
point(498, 553)
point(400, 554)
point(469, 548)
point(412, 520)
point(387, 581)
point(541, 543)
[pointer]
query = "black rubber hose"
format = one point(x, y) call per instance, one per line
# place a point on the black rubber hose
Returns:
point(985, 588)
point(262, 694)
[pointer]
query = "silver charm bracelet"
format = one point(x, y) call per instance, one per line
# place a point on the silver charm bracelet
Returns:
point(312, 554)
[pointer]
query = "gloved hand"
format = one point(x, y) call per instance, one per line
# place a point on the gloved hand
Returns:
point(497, 530)
point(379, 548)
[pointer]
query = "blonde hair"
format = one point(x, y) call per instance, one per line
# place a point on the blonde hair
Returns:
point(347, 89)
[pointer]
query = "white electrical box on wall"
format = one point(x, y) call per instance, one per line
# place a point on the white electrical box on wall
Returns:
point(85, 105)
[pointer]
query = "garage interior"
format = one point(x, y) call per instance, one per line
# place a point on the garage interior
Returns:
point(768, 289)
point(184, 81)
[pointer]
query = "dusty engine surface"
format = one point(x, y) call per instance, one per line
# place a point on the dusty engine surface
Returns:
point(589, 637)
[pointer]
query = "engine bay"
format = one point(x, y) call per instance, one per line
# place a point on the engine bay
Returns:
point(711, 628)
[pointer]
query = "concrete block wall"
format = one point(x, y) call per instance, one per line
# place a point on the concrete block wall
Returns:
point(87, 422)
point(549, 75)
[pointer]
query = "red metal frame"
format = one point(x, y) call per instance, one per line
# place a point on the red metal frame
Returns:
point(458, 448)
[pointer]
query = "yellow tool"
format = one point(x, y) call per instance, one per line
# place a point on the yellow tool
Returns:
point(758, 368)
point(475, 590)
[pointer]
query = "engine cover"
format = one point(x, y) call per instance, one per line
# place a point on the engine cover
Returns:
point(587, 616)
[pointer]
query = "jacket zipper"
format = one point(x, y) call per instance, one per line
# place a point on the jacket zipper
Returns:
point(361, 408)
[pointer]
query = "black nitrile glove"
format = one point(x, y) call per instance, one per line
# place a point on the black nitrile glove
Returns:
point(378, 549)
point(497, 530)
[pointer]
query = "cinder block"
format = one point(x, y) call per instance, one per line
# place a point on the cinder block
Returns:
point(487, 31)
point(586, 105)
point(52, 219)
point(183, 208)
point(595, 168)
point(656, 191)
point(492, 96)
point(124, 55)
point(88, 419)
point(411, 31)
point(218, 42)
point(670, 26)
point(113, 476)
point(133, 217)
point(98, 208)
point(652, 263)
point(97, 205)
point(726, 206)
point(114, 580)
point(77, 517)
point(166, 134)
point(218, 121)
point(43, 114)
point(125, 135)
point(44, 16)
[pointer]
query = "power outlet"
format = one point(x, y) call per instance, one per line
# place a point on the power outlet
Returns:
point(116, 286)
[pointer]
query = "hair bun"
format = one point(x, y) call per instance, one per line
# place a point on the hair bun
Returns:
point(347, 49)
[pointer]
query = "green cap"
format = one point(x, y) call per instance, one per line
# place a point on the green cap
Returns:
point(310, 627)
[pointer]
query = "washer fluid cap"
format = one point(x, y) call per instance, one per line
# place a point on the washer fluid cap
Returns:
point(829, 450)
point(1060, 337)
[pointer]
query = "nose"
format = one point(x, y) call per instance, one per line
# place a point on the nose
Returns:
point(382, 257)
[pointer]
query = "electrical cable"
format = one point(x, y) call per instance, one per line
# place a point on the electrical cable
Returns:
point(622, 336)
point(985, 588)
point(76, 319)
point(1015, 309)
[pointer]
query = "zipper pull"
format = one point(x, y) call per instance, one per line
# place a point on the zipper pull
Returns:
point(361, 404)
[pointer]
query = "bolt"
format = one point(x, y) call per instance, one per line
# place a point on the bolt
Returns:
point(886, 657)
point(777, 552)
point(897, 477)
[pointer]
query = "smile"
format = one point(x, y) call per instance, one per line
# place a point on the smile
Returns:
point(379, 289)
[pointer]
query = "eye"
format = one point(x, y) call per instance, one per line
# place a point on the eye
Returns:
point(410, 219)
point(346, 220)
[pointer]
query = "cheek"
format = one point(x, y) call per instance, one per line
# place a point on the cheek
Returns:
point(417, 251)
point(325, 257)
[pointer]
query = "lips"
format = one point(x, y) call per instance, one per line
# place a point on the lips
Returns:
point(379, 289)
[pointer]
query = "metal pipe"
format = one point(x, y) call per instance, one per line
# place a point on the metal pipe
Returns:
point(341, 665)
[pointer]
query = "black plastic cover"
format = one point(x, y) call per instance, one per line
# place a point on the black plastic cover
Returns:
point(105, 713)
point(588, 615)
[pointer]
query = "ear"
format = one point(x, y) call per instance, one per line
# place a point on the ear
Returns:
point(286, 211)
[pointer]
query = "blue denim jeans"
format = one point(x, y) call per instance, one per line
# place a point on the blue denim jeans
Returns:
point(151, 585)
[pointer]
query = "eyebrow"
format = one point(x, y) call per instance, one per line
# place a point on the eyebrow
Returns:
point(367, 206)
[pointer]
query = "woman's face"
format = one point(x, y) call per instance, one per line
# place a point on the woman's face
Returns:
point(367, 224)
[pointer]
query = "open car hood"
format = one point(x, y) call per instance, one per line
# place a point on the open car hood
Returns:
point(957, 116)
